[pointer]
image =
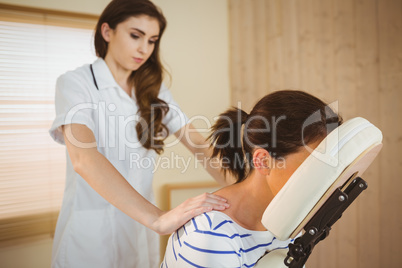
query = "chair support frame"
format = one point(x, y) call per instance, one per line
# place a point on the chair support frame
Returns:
point(318, 228)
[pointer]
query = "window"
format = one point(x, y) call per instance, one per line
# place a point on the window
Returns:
point(36, 46)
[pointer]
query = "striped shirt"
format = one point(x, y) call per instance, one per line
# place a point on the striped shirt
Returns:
point(213, 239)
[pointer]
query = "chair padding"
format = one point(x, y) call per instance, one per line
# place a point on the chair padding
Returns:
point(274, 259)
point(347, 151)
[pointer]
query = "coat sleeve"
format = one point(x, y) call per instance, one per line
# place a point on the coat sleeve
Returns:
point(73, 104)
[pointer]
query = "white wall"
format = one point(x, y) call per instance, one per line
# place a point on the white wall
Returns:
point(195, 51)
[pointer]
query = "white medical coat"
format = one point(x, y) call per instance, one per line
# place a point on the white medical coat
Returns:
point(91, 232)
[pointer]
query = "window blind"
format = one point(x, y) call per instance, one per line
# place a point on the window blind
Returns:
point(32, 165)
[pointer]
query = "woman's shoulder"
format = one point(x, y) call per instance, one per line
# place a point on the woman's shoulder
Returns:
point(78, 80)
point(219, 224)
point(164, 92)
point(205, 241)
point(209, 230)
point(77, 73)
point(216, 221)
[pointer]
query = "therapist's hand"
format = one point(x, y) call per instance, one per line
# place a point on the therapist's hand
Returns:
point(172, 220)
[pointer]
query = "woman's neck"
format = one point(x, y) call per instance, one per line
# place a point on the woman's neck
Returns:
point(120, 74)
point(248, 201)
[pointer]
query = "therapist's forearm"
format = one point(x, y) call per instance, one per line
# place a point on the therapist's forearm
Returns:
point(104, 178)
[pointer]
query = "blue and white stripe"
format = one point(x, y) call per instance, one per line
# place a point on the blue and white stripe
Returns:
point(213, 239)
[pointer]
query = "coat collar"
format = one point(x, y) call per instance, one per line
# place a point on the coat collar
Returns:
point(103, 75)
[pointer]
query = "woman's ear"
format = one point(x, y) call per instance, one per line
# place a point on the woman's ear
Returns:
point(261, 161)
point(106, 30)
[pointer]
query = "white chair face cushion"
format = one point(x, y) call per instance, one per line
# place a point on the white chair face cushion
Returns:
point(347, 150)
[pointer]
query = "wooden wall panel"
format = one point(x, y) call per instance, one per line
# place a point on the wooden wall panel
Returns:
point(345, 92)
point(343, 51)
point(289, 45)
point(367, 78)
point(260, 44)
point(390, 78)
point(273, 10)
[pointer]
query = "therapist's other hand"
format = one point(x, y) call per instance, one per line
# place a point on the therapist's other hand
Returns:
point(172, 220)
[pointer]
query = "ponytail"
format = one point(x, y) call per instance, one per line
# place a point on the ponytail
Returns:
point(226, 142)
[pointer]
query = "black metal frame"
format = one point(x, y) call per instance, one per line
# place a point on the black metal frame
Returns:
point(319, 226)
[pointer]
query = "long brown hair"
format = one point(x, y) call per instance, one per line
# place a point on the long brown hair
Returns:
point(148, 78)
point(281, 122)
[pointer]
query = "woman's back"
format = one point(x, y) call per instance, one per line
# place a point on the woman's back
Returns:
point(213, 239)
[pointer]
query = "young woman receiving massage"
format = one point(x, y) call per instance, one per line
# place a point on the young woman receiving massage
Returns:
point(262, 149)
